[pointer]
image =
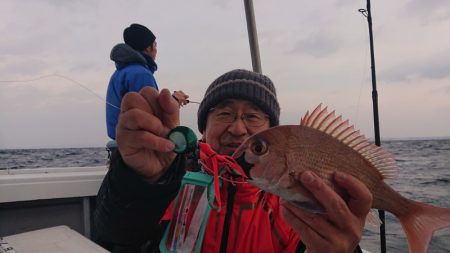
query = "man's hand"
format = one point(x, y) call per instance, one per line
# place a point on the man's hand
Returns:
point(340, 228)
point(145, 120)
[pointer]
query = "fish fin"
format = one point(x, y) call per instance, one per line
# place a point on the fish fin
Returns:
point(319, 117)
point(335, 127)
point(382, 160)
point(304, 119)
point(373, 220)
point(308, 119)
point(325, 120)
point(313, 115)
point(421, 222)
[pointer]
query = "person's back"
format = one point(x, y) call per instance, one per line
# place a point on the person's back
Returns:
point(135, 65)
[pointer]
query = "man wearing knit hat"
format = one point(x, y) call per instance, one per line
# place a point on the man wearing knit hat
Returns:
point(133, 202)
point(135, 66)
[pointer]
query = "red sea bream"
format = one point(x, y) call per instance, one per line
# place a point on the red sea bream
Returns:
point(324, 143)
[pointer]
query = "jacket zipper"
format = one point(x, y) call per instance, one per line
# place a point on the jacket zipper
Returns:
point(227, 221)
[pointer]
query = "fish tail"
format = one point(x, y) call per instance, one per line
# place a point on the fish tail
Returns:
point(421, 222)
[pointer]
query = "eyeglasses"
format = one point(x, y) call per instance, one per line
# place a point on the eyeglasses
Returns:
point(251, 119)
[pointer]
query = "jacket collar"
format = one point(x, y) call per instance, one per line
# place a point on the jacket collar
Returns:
point(123, 55)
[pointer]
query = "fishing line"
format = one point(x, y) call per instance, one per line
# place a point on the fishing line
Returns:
point(223, 178)
point(5, 82)
point(13, 82)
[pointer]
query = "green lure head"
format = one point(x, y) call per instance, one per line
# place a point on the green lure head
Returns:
point(184, 139)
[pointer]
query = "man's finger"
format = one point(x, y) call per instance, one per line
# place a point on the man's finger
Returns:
point(135, 119)
point(139, 128)
point(335, 206)
point(315, 221)
point(132, 100)
point(145, 140)
point(360, 200)
point(308, 233)
point(151, 95)
point(171, 109)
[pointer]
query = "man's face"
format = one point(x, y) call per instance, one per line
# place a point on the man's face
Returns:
point(152, 50)
point(231, 122)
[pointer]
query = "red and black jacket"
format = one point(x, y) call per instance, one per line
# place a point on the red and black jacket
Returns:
point(129, 211)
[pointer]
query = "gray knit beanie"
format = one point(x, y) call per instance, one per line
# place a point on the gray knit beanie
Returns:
point(240, 84)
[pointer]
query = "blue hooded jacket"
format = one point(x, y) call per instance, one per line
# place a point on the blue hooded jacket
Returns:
point(134, 70)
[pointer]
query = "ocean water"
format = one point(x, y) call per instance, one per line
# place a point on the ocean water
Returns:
point(43, 158)
point(424, 176)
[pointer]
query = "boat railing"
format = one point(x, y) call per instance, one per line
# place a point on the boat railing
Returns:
point(37, 198)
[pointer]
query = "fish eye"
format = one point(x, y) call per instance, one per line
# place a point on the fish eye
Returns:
point(259, 147)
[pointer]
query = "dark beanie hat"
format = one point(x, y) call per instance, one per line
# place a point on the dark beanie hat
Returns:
point(138, 37)
point(240, 84)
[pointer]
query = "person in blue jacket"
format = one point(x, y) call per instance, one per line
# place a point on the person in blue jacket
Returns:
point(135, 66)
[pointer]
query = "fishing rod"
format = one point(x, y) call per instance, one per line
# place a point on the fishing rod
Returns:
point(368, 14)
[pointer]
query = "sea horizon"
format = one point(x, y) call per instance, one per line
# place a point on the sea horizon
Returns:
point(383, 139)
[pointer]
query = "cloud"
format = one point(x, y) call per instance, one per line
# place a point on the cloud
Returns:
point(429, 11)
point(436, 67)
point(346, 3)
point(84, 66)
point(69, 4)
point(318, 45)
point(18, 69)
point(221, 4)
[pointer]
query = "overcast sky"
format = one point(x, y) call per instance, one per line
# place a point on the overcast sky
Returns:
point(314, 51)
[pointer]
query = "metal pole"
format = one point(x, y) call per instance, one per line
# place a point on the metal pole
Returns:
point(252, 35)
point(87, 217)
point(375, 115)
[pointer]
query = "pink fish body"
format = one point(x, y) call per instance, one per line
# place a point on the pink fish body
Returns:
point(323, 143)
